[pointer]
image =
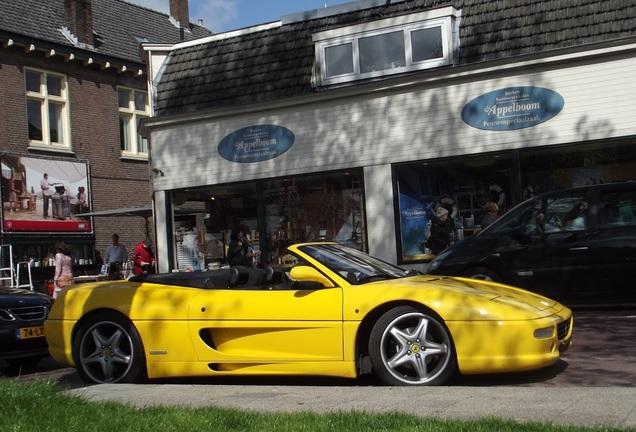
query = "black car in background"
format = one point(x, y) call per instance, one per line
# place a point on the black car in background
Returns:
point(22, 315)
point(577, 246)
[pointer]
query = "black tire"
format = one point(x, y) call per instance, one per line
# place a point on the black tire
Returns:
point(108, 349)
point(409, 347)
point(483, 273)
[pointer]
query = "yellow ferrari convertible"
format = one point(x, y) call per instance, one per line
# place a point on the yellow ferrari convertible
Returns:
point(329, 311)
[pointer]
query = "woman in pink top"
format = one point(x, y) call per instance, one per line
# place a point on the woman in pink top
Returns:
point(63, 267)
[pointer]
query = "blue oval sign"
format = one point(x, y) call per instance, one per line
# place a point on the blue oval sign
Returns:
point(512, 108)
point(256, 143)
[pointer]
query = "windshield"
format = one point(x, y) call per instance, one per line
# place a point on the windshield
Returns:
point(355, 266)
point(512, 220)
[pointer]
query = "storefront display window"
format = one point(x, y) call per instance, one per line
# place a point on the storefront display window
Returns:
point(543, 170)
point(278, 212)
point(464, 185)
point(314, 208)
point(39, 253)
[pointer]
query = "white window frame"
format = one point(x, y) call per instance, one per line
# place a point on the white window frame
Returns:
point(134, 144)
point(444, 19)
point(46, 100)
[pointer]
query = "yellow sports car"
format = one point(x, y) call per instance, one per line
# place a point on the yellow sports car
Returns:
point(331, 311)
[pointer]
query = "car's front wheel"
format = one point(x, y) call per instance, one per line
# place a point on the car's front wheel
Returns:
point(108, 349)
point(409, 347)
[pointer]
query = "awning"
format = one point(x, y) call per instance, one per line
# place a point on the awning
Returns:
point(144, 212)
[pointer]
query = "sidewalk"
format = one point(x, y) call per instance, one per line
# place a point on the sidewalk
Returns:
point(580, 406)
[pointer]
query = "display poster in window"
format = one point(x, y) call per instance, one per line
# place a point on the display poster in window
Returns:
point(413, 221)
point(44, 195)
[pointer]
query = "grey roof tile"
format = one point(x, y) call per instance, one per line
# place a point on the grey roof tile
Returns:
point(116, 23)
point(278, 63)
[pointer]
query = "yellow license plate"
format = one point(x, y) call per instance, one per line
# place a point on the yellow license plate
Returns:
point(30, 332)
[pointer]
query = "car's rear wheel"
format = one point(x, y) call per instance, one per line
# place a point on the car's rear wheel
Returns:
point(482, 273)
point(409, 347)
point(108, 349)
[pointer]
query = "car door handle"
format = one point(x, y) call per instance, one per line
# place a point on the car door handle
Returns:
point(581, 248)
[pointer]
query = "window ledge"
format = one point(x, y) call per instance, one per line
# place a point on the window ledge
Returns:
point(132, 157)
point(50, 149)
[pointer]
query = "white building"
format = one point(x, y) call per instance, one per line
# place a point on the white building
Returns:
point(351, 123)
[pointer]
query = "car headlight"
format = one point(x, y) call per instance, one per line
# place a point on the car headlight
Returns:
point(544, 333)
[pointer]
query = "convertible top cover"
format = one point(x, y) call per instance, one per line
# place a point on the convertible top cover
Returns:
point(233, 277)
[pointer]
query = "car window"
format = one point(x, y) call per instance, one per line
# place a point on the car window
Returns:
point(566, 213)
point(618, 209)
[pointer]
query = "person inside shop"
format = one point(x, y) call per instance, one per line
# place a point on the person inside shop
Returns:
point(47, 193)
point(252, 254)
point(240, 251)
point(143, 258)
point(63, 275)
point(440, 231)
point(116, 255)
point(81, 200)
point(13, 195)
point(492, 211)
point(235, 251)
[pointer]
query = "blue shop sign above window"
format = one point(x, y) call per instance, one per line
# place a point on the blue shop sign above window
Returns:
point(512, 108)
point(256, 143)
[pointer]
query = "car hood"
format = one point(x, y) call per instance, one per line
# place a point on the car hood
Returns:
point(19, 297)
point(479, 293)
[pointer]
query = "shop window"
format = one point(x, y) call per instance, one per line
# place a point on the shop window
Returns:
point(385, 47)
point(133, 107)
point(278, 213)
point(463, 186)
point(40, 252)
point(315, 208)
point(47, 109)
point(569, 166)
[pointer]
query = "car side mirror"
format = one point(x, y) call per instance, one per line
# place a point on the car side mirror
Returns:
point(302, 274)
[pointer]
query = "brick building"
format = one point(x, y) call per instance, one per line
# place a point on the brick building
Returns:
point(73, 89)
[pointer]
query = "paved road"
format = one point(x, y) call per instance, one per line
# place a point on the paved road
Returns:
point(593, 384)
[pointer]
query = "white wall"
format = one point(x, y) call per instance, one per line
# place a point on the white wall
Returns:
point(380, 223)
